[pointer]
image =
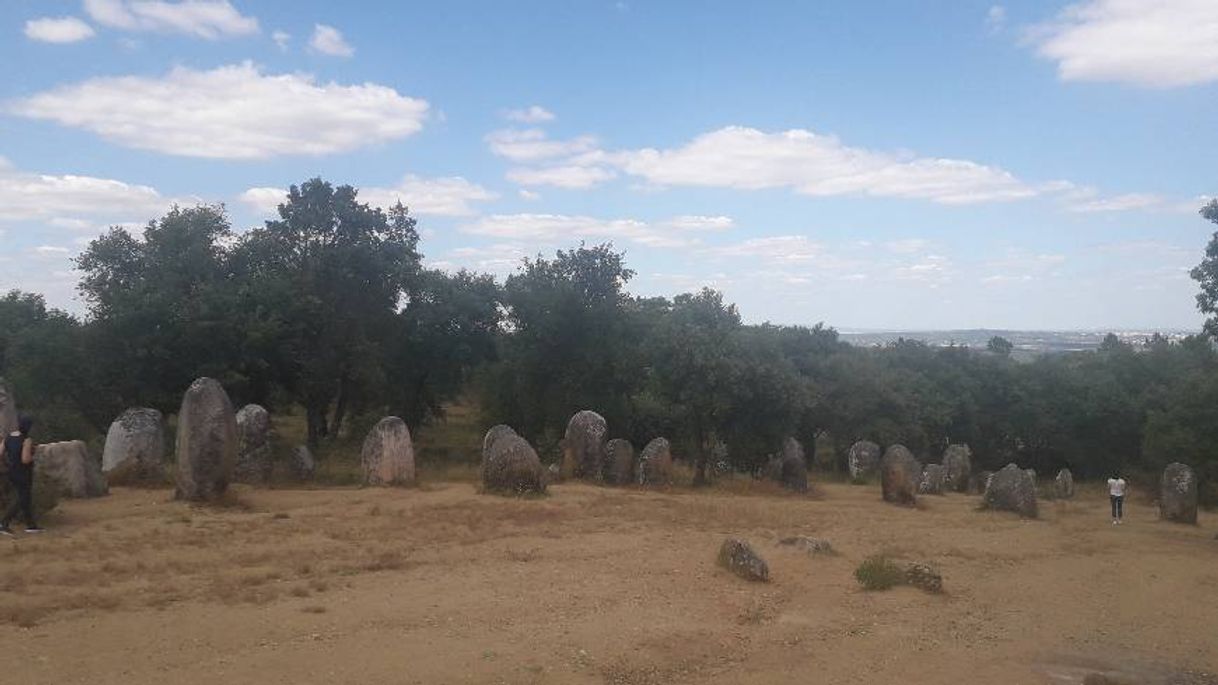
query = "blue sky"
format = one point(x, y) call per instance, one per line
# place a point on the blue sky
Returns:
point(871, 165)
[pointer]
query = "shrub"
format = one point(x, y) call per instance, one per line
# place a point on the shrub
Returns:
point(879, 573)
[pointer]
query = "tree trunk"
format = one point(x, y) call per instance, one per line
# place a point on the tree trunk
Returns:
point(700, 461)
point(315, 415)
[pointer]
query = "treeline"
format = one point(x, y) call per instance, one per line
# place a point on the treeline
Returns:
point(330, 309)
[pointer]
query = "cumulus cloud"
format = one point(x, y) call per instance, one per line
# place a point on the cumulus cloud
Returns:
point(557, 228)
point(447, 196)
point(281, 38)
point(996, 17)
point(1158, 44)
point(1117, 203)
point(329, 41)
point(209, 19)
point(570, 176)
point(58, 30)
point(67, 198)
point(532, 145)
point(814, 164)
point(534, 114)
point(231, 112)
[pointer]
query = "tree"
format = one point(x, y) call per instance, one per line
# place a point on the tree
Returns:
point(1206, 274)
point(1000, 346)
point(330, 273)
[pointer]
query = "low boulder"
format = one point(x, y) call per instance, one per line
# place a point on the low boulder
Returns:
point(206, 443)
point(863, 459)
point(933, 481)
point(958, 466)
point(584, 445)
point(387, 456)
point(513, 467)
point(619, 462)
point(135, 448)
point(1012, 489)
point(254, 461)
point(69, 465)
point(655, 463)
point(740, 558)
point(302, 465)
point(1178, 494)
point(900, 475)
point(924, 577)
point(1063, 484)
point(807, 544)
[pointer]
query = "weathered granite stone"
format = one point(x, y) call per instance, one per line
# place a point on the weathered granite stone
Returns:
point(958, 462)
point(655, 463)
point(135, 448)
point(388, 454)
point(1178, 494)
point(740, 558)
point(900, 475)
point(1012, 489)
point(206, 447)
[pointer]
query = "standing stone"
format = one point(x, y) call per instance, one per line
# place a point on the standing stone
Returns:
point(1031, 474)
point(303, 466)
point(253, 445)
point(958, 461)
point(789, 467)
point(8, 409)
point(900, 475)
point(740, 558)
point(1063, 484)
point(584, 445)
point(863, 459)
point(493, 434)
point(70, 466)
point(978, 482)
point(388, 454)
point(1178, 494)
point(933, 481)
point(655, 463)
point(135, 447)
point(513, 467)
point(207, 441)
point(619, 462)
point(1012, 489)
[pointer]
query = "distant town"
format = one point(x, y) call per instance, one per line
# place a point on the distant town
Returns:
point(1025, 342)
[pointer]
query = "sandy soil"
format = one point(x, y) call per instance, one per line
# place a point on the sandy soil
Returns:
point(591, 585)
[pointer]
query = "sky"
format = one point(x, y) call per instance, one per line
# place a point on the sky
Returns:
point(870, 165)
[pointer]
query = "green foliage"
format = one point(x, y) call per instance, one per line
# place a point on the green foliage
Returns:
point(1206, 274)
point(1000, 346)
point(878, 572)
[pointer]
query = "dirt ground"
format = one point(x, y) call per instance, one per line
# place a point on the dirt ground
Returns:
point(597, 585)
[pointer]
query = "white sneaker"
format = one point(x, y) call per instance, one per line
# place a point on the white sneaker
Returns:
point(1114, 522)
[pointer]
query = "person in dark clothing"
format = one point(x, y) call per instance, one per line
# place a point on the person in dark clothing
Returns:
point(18, 453)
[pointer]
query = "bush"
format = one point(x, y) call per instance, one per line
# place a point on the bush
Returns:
point(879, 573)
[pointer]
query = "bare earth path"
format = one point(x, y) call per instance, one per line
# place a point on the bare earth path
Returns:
point(592, 585)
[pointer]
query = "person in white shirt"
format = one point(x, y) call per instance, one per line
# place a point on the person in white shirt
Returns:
point(1116, 495)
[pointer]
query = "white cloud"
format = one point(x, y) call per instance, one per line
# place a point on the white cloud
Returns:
point(263, 200)
point(560, 228)
point(573, 176)
point(447, 196)
point(281, 38)
point(906, 246)
point(25, 196)
point(209, 19)
point(52, 251)
point(534, 114)
point(58, 30)
point(813, 164)
point(329, 41)
point(231, 112)
point(701, 223)
point(996, 17)
point(1163, 43)
point(782, 250)
point(529, 195)
point(532, 145)
point(1021, 266)
point(1116, 203)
